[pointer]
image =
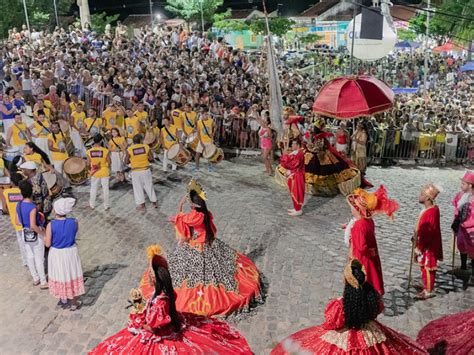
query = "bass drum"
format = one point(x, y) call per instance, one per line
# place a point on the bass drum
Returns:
point(213, 154)
point(76, 170)
point(179, 155)
point(192, 141)
point(53, 183)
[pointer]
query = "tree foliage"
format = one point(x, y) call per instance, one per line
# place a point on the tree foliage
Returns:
point(279, 26)
point(406, 34)
point(310, 38)
point(100, 20)
point(450, 20)
point(223, 22)
point(190, 10)
point(13, 14)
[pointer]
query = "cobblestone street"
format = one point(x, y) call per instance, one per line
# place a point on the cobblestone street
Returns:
point(301, 259)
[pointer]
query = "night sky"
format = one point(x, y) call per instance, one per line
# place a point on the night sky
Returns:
point(125, 7)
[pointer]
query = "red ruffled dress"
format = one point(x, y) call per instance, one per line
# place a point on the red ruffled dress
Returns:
point(294, 162)
point(333, 338)
point(210, 280)
point(198, 335)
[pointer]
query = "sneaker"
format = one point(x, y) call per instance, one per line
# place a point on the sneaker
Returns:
point(296, 213)
point(36, 283)
point(44, 286)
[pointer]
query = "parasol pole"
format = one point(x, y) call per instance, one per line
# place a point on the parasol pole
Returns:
point(354, 14)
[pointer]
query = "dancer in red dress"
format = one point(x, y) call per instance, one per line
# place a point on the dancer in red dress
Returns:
point(360, 232)
point(159, 329)
point(209, 277)
point(429, 247)
point(293, 162)
point(350, 326)
point(449, 335)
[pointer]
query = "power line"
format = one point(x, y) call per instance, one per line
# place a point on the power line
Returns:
point(437, 12)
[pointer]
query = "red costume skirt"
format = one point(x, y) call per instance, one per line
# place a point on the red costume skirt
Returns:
point(198, 335)
point(216, 281)
point(449, 335)
point(374, 338)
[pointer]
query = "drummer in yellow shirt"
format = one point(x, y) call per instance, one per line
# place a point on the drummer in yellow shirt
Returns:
point(141, 114)
point(205, 129)
point(169, 137)
point(189, 120)
point(132, 126)
point(40, 131)
point(11, 197)
point(177, 116)
point(93, 123)
point(110, 117)
point(18, 134)
point(77, 118)
point(139, 156)
point(98, 159)
point(57, 147)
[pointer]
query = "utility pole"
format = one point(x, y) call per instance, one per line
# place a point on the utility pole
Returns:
point(425, 79)
point(26, 17)
point(56, 13)
point(202, 16)
point(151, 14)
point(354, 15)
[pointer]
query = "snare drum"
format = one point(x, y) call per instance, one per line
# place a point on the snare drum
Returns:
point(10, 153)
point(192, 141)
point(65, 128)
point(213, 154)
point(179, 155)
point(76, 170)
point(52, 181)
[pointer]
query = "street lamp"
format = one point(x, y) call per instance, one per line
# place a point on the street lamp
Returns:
point(26, 17)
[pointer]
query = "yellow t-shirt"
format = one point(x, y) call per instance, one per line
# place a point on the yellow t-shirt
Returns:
point(58, 143)
point(177, 117)
point(99, 161)
point(73, 105)
point(189, 121)
point(47, 112)
point(142, 116)
point(12, 197)
point(110, 118)
point(132, 125)
point(169, 136)
point(19, 136)
point(78, 118)
point(94, 129)
point(440, 137)
point(206, 127)
point(116, 144)
point(41, 132)
point(48, 104)
point(139, 156)
point(35, 157)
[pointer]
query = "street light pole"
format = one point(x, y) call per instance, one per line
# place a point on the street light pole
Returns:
point(354, 14)
point(425, 79)
point(26, 17)
point(56, 13)
point(202, 16)
point(151, 14)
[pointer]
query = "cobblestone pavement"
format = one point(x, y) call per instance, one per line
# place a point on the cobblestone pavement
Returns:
point(301, 259)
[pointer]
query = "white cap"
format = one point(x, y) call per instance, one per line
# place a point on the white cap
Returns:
point(29, 165)
point(63, 206)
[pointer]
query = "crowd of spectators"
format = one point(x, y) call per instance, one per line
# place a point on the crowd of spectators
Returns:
point(171, 68)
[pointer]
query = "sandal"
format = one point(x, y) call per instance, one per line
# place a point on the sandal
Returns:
point(36, 283)
point(75, 306)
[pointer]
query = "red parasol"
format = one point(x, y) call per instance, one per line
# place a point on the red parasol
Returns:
point(451, 334)
point(354, 96)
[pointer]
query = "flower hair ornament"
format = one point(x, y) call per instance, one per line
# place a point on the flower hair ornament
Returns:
point(349, 276)
point(197, 188)
point(368, 204)
point(155, 256)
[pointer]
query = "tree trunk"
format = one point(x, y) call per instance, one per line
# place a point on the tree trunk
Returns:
point(84, 12)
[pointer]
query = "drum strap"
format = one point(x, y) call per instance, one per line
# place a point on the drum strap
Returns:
point(169, 134)
point(112, 139)
point(22, 131)
point(92, 125)
point(205, 128)
point(43, 126)
point(187, 120)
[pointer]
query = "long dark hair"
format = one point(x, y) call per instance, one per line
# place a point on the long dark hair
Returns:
point(38, 150)
point(361, 305)
point(198, 201)
point(164, 284)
